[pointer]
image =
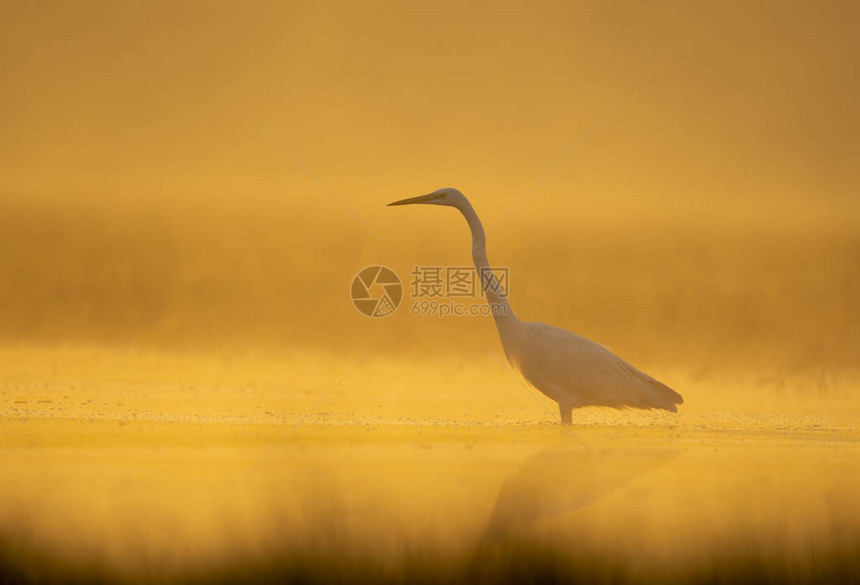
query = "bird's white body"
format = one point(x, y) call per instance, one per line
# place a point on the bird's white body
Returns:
point(575, 371)
point(570, 369)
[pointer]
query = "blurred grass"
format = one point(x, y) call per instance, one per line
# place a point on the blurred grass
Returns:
point(158, 501)
point(239, 275)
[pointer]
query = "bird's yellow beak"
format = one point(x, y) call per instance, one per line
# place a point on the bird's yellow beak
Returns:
point(411, 200)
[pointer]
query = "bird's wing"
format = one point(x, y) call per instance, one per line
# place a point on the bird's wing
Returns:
point(586, 373)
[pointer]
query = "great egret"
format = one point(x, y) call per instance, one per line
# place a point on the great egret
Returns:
point(570, 369)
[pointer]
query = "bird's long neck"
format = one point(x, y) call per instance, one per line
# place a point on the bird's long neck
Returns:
point(496, 296)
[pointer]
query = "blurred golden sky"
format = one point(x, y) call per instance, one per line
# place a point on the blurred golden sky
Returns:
point(704, 99)
point(715, 205)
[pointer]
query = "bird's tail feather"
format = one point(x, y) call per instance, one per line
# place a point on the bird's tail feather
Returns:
point(664, 397)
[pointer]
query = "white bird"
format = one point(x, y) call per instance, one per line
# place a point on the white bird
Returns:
point(570, 369)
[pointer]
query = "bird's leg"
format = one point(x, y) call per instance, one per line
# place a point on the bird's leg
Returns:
point(566, 411)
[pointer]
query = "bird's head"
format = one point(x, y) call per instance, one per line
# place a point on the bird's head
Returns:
point(446, 196)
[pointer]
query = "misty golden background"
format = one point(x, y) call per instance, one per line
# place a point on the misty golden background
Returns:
point(174, 285)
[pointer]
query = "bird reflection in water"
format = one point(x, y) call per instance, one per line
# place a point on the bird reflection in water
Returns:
point(550, 485)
